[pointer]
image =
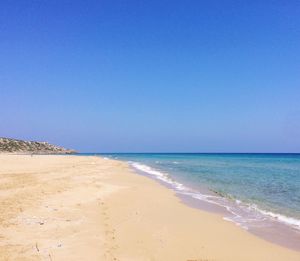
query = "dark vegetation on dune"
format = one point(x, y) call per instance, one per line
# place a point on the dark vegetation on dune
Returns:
point(20, 146)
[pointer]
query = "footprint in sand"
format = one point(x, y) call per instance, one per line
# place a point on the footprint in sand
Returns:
point(110, 244)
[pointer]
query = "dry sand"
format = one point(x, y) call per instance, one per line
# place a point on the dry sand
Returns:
point(89, 208)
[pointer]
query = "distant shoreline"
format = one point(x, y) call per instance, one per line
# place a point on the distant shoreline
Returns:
point(9, 145)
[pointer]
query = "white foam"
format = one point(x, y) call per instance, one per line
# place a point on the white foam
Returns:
point(158, 174)
point(279, 217)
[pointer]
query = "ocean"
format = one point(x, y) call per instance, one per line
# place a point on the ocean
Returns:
point(259, 192)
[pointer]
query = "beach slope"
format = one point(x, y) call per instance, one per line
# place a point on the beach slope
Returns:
point(90, 208)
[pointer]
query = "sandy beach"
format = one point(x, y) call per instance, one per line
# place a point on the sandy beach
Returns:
point(90, 208)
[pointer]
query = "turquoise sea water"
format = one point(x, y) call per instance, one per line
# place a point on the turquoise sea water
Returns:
point(252, 187)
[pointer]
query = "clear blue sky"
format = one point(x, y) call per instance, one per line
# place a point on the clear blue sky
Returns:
point(115, 76)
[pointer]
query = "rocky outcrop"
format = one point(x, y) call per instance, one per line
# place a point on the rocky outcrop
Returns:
point(20, 146)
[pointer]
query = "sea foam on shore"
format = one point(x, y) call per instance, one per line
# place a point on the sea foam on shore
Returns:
point(244, 215)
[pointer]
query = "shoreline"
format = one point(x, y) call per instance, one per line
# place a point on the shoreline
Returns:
point(275, 232)
point(90, 208)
